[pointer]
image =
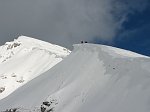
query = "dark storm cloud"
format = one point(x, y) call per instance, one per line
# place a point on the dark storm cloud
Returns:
point(65, 22)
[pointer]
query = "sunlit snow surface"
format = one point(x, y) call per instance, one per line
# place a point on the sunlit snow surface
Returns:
point(24, 59)
point(93, 78)
point(116, 52)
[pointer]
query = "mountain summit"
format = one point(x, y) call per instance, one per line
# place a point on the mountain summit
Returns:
point(93, 78)
point(24, 59)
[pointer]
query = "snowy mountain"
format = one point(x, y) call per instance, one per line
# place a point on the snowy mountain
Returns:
point(93, 78)
point(24, 59)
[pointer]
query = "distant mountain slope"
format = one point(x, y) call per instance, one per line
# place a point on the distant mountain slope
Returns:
point(93, 78)
point(24, 59)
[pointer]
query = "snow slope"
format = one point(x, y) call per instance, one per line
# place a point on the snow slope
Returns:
point(91, 79)
point(24, 59)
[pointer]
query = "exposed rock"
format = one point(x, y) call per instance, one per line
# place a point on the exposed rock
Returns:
point(2, 89)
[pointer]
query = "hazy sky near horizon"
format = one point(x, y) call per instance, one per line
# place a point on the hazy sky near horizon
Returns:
point(65, 22)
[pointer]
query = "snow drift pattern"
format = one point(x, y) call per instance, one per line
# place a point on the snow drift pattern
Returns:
point(91, 79)
point(24, 59)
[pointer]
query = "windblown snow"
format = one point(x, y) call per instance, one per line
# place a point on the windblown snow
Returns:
point(93, 78)
point(24, 59)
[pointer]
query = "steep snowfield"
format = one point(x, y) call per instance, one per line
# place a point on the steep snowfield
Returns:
point(93, 78)
point(24, 59)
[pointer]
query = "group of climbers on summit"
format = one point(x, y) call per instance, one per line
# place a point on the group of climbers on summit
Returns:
point(83, 42)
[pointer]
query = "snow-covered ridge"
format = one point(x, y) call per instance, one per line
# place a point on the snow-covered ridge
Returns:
point(27, 43)
point(24, 59)
point(90, 79)
point(43, 45)
point(121, 52)
point(113, 51)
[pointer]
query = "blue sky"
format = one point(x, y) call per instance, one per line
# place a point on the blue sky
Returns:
point(135, 35)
